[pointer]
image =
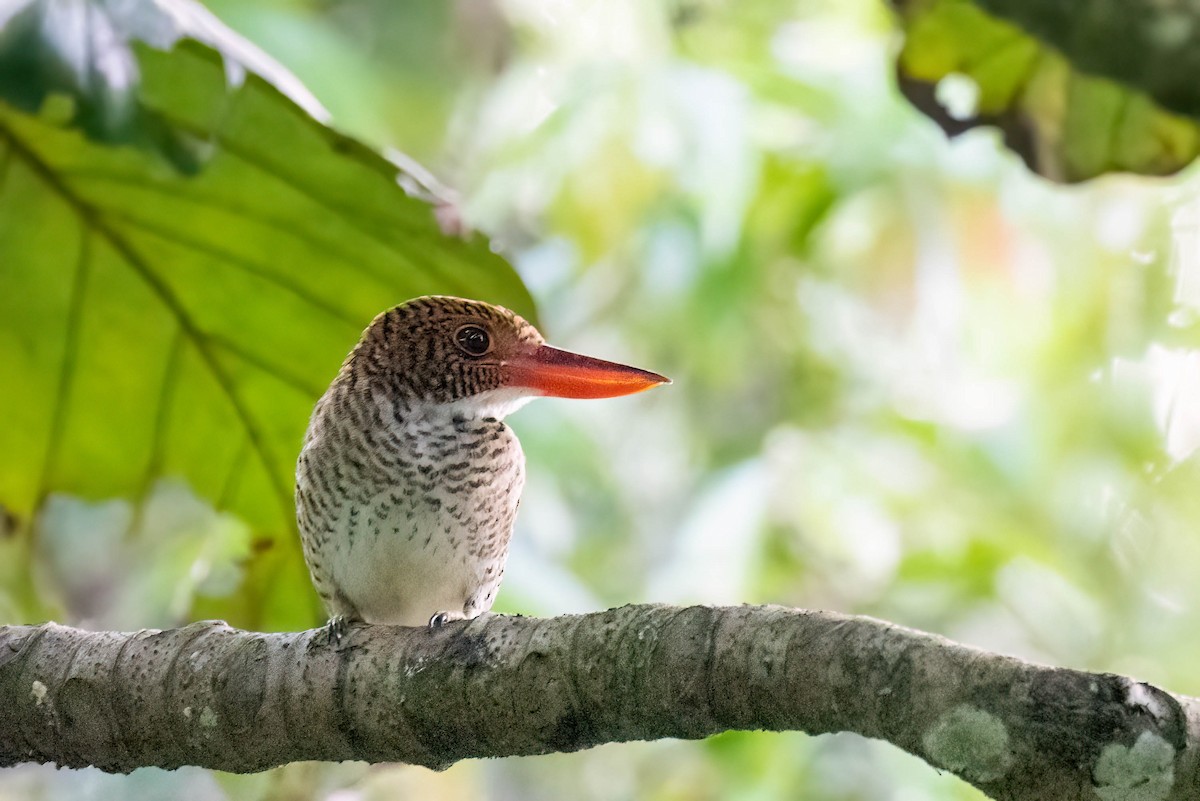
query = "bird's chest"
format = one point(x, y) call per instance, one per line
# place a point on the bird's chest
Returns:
point(441, 488)
point(425, 517)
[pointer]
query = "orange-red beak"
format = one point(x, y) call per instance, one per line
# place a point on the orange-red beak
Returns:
point(562, 374)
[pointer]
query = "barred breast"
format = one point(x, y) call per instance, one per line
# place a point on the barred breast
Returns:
point(405, 512)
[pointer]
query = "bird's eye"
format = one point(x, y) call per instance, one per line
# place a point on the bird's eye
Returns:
point(473, 340)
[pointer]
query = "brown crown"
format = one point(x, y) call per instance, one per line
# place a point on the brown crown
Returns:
point(411, 351)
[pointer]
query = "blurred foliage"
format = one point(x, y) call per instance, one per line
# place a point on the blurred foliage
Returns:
point(911, 379)
point(1064, 124)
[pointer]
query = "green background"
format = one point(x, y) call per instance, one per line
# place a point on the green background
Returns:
point(911, 379)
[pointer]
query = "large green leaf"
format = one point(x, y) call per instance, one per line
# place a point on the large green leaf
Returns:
point(1066, 125)
point(183, 269)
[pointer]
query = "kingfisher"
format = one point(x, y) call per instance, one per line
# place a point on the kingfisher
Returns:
point(408, 481)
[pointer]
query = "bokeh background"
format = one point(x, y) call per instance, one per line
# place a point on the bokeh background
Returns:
point(911, 379)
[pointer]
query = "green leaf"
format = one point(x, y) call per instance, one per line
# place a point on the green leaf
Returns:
point(1066, 125)
point(174, 317)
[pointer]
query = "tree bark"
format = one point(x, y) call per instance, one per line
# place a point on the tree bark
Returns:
point(1149, 45)
point(217, 697)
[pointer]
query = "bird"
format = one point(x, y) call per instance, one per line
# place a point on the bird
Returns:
point(408, 479)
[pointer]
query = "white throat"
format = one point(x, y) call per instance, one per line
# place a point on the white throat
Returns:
point(495, 403)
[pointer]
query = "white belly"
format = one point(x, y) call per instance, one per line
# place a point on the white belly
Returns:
point(401, 569)
point(432, 538)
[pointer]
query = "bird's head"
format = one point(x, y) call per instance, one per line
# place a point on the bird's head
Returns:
point(446, 351)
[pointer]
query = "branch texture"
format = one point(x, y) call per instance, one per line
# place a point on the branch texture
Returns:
point(1150, 45)
point(217, 697)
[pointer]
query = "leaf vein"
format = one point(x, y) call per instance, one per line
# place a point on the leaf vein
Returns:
point(287, 227)
point(66, 373)
point(92, 218)
point(243, 264)
point(275, 371)
point(254, 160)
point(162, 413)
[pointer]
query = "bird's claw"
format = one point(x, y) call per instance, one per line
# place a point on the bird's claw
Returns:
point(442, 618)
point(336, 629)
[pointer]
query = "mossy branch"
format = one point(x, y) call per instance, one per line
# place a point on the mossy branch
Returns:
point(217, 697)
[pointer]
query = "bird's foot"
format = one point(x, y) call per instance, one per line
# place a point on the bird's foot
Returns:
point(442, 618)
point(336, 629)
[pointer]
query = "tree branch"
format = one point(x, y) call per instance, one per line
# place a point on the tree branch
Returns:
point(217, 697)
point(1147, 44)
